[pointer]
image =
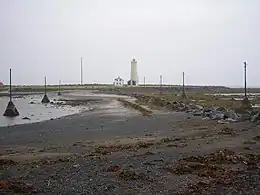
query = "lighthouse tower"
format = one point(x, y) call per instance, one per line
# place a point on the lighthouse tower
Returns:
point(133, 77)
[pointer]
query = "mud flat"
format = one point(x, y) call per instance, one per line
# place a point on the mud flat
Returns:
point(114, 149)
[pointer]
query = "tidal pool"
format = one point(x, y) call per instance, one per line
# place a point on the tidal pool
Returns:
point(32, 110)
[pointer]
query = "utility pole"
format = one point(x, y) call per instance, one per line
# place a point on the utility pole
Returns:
point(11, 110)
point(245, 64)
point(245, 102)
point(81, 70)
point(45, 86)
point(160, 83)
point(45, 98)
point(59, 93)
point(10, 86)
point(183, 87)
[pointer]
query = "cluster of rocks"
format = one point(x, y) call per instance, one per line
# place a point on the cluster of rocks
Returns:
point(221, 114)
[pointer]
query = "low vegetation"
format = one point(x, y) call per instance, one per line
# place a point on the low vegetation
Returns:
point(205, 100)
point(136, 106)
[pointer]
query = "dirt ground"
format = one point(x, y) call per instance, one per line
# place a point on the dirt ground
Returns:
point(117, 150)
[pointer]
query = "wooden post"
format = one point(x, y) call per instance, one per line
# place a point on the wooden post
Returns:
point(183, 87)
point(81, 70)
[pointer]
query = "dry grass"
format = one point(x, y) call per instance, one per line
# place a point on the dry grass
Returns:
point(205, 100)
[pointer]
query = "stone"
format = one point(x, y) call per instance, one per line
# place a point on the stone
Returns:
point(197, 113)
point(231, 120)
point(207, 109)
point(255, 117)
point(221, 109)
point(231, 115)
point(11, 110)
point(26, 118)
point(217, 116)
point(223, 122)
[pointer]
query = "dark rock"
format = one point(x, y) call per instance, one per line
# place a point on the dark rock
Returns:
point(197, 113)
point(231, 115)
point(217, 116)
point(221, 109)
point(32, 103)
point(26, 118)
point(207, 109)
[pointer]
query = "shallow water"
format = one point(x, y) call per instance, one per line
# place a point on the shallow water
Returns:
point(36, 112)
point(236, 94)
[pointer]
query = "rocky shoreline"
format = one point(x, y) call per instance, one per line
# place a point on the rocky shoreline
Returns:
point(220, 114)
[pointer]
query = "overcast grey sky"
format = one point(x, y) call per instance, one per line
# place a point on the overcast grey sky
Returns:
point(207, 39)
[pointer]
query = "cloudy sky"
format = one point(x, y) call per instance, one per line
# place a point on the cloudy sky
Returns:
point(207, 39)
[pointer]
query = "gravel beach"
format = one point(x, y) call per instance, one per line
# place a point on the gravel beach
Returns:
point(112, 149)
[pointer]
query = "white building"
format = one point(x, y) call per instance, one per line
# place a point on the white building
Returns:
point(118, 81)
point(133, 77)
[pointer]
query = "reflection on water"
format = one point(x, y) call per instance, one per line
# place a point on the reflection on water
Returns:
point(31, 107)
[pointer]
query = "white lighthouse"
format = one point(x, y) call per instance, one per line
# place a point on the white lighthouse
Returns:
point(133, 77)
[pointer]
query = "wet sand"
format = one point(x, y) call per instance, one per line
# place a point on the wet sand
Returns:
point(115, 150)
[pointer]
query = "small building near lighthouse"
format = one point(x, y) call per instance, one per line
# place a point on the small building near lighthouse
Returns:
point(133, 75)
point(118, 82)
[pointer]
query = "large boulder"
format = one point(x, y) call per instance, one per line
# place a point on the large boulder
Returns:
point(217, 115)
point(197, 113)
point(232, 116)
